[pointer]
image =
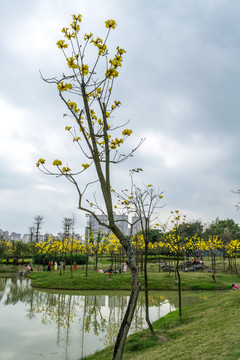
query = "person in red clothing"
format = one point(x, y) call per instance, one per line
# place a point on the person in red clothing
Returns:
point(64, 265)
point(213, 277)
point(235, 287)
point(49, 266)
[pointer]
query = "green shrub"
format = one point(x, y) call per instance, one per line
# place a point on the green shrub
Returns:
point(78, 258)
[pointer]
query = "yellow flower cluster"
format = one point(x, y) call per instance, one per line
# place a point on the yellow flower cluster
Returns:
point(111, 73)
point(77, 17)
point(84, 69)
point(110, 24)
point(71, 63)
point(57, 162)
point(102, 48)
point(65, 169)
point(115, 63)
point(116, 104)
point(73, 106)
point(68, 127)
point(64, 87)
point(96, 93)
point(115, 143)
point(76, 139)
point(85, 166)
point(75, 26)
point(61, 44)
point(40, 161)
point(67, 34)
point(88, 36)
point(126, 132)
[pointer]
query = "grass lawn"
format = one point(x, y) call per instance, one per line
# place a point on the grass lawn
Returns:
point(208, 330)
point(157, 281)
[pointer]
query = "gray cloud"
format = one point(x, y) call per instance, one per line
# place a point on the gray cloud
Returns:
point(179, 86)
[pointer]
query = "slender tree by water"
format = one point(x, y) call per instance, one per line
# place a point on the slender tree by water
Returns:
point(86, 89)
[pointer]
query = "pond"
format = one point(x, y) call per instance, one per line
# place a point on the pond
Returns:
point(63, 325)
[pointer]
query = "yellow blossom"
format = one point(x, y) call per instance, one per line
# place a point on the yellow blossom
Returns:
point(65, 169)
point(110, 24)
point(71, 63)
point(57, 162)
point(85, 166)
point(75, 26)
point(76, 139)
point(111, 73)
point(77, 17)
point(84, 69)
point(40, 161)
point(88, 36)
point(61, 44)
point(64, 87)
point(127, 132)
point(73, 106)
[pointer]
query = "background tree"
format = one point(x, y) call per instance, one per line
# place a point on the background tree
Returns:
point(98, 245)
point(68, 224)
point(31, 233)
point(4, 247)
point(38, 220)
point(225, 229)
point(143, 203)
point(176, 243)
point(90, 90)
point(190, 229)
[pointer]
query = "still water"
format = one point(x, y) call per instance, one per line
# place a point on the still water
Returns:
point(54, 325)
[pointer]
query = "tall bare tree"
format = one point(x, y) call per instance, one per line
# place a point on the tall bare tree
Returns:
point(38, 220)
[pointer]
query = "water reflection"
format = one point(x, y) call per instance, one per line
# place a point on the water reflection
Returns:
point(63, 325)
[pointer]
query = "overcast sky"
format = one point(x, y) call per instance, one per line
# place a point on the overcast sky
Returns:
point(179, 86)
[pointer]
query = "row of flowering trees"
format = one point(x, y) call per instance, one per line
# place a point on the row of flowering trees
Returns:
point(109, 245)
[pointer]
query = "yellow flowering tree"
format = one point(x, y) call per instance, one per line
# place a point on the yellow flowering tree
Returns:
point(86, 88)
point(4, 248)
point(213, 244)
point(98, 245)
point(177, 245)
point(232, 249)
point(113, 246)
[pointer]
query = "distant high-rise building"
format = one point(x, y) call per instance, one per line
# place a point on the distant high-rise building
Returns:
point(15, 236)
point(137, 224)
point(93, 225)
point(4, 234)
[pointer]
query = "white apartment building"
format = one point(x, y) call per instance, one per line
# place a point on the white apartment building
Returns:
point(94, 226)
point(123, 221)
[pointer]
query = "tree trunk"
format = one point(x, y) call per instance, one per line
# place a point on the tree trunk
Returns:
point(179, 289)
point(132, 303)
point(146, 290)
point(86, 266)
point(126, 323)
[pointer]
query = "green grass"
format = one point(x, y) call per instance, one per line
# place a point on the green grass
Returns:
point(208, 330)
point(162, 281)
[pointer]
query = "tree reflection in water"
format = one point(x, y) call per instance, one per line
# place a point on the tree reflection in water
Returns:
point(88, 318)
